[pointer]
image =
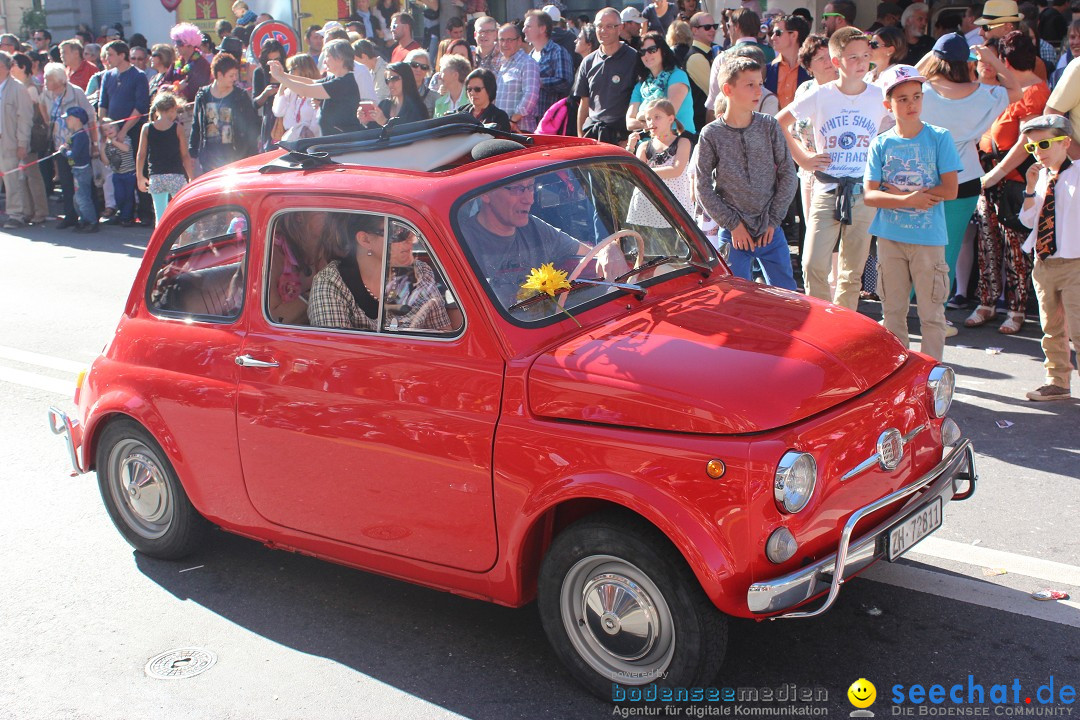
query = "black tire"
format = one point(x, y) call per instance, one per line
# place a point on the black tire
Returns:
point(143, 495)
point(667, 631)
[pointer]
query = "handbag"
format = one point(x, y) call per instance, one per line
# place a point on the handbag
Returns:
point(40, 137)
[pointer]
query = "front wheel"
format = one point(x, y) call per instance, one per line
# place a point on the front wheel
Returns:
point(143, 495)
point(620, 606)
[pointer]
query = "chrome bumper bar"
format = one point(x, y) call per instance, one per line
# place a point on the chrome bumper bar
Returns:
point(945, 481)
point(61, 424)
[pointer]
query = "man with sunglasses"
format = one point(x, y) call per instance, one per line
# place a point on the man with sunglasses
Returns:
point(701, 54)
point(839, 14)
point(1052, 212)
point(784, 75)
point(999, 18)
point(41, 40)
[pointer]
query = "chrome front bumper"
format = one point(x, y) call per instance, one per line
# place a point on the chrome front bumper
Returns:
point(944, 481)
point(61, 424)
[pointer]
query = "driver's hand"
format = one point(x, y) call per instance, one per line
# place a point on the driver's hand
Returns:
point(611, 262)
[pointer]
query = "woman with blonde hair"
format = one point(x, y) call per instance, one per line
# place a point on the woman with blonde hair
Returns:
point(680, 38)
point(299, 118)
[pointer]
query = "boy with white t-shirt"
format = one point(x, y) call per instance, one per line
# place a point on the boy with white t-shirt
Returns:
point(846, 115)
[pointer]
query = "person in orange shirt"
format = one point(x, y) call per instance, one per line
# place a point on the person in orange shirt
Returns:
point(784, 75)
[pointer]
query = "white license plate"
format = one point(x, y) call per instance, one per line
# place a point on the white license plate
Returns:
point(914, 528)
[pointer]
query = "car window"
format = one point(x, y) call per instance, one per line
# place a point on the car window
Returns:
point(200, 272)
point(594, 222)
point(357, 271)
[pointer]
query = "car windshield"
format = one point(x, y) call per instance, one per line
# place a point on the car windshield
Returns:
point(581, 232)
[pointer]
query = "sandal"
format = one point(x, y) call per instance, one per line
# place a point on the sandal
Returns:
point(979, 316)
point(1012, 324)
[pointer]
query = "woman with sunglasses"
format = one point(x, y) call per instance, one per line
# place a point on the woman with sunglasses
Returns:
point(404, 102)
point(480, 87)
point(1000, 233)
point(955, 100)
point(420, 62)
point(658, 78)
point(887, 48)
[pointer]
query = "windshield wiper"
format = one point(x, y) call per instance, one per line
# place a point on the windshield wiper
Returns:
point(700, 267)
point(638, 291)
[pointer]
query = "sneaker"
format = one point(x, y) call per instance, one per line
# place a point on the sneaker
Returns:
point(14, 224)
point(950, 329)
point(957, 302)
point(1049, 392)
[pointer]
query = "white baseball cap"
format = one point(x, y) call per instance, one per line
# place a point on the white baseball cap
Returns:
point(898, 75)
point(553, 13)
point(631, 14)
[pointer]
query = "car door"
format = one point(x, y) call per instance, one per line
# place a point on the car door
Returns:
point(379, 438)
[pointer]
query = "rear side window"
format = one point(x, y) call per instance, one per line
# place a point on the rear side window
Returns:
point(200, 272)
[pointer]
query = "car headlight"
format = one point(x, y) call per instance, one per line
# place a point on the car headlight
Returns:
point(796, 477)
point(942, 383)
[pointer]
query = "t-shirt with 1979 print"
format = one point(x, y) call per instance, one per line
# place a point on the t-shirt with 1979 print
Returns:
point(844, 126)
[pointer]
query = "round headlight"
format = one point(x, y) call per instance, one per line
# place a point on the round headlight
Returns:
point(796, 477)
point(941, 384)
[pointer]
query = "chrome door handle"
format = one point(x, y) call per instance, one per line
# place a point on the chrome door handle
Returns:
point(248, 361)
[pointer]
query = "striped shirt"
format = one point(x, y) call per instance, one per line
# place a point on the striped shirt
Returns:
point(121, 161)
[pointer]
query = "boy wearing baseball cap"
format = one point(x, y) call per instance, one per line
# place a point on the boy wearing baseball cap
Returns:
point(912, 169)
point(1052, 212)
point(77, 151)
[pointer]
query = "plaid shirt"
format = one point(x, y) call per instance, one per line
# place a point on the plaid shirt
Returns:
point(518, 89)
point(1048, 53)
point(556, 75)
point(332, 304)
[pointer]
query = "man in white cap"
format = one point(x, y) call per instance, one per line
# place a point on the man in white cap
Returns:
point(999, 18)
point(560, 35)
point(633, 25)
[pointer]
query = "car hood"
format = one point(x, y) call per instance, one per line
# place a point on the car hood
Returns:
point(732, 357)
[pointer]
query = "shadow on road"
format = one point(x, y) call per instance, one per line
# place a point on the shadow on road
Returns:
point(484, 661)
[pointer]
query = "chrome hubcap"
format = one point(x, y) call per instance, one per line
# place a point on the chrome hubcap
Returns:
point(620, 616)
point(617, 620)
point(140, 489)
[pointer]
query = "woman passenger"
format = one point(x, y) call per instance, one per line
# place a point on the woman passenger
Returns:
point(300, 252)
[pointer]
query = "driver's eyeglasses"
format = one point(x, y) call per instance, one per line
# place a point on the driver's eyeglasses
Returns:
point(519, 190)
point(475, 88)
point(1043, 144)
point(708, 26)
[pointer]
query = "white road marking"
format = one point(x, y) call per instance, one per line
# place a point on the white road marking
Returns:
point(45, 361)
point(39, 382)
point(1053, 572)
point(975, 592)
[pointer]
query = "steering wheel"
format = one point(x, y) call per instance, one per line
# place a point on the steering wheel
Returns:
point(591, 255)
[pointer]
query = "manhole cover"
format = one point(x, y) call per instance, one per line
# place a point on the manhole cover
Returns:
point(180, 663)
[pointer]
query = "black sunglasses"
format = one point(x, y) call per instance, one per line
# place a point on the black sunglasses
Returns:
point(708, 26)
point(419, 66)
point(649, 50)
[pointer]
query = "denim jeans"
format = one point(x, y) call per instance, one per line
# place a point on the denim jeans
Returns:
point(124, 192)
point(775, 260)
point(84, 194)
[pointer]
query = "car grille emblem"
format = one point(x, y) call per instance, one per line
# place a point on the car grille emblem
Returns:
point(890, 448)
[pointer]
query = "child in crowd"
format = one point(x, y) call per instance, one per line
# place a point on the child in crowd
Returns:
point(846, 115)
point(912, 169)
point(667, 152)
point(163, 150)
point(77, 151)
point(745, 177)
point(1052, 211)
point(115, 152)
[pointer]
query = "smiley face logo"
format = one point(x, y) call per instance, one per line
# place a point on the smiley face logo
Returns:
point(862, 693)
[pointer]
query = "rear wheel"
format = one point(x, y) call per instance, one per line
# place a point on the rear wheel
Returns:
point(143, 495)
point(620, 606)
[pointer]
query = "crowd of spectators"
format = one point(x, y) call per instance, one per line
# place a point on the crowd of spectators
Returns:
point(704, 100)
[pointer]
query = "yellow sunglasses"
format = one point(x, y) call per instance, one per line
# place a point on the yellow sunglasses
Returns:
point(1043, 144)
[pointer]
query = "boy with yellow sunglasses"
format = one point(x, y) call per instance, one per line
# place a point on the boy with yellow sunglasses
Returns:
point(1051, 208)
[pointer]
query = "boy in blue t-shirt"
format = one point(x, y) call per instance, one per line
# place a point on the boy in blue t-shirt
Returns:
point(911, 170)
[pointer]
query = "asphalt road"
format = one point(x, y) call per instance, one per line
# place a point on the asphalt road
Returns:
point(299, 638)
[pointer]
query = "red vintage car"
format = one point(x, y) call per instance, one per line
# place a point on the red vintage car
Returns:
point(364, 349)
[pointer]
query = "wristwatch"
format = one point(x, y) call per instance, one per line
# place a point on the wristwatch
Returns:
point(1029, 195)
